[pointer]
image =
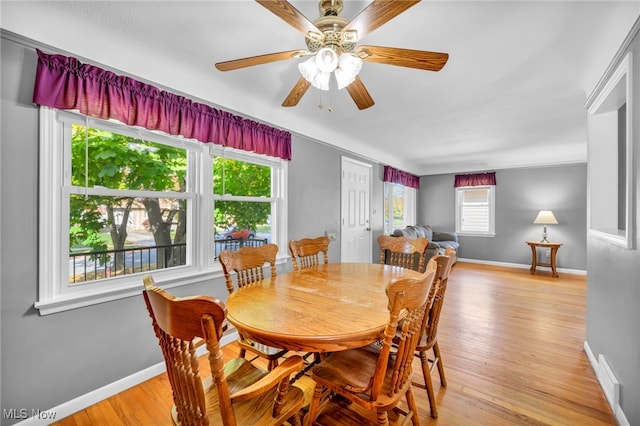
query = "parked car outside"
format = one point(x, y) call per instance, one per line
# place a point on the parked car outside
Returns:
point(233, 232)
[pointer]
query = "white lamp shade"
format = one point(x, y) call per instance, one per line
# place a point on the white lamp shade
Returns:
point(348, 68)
point(317, 69)
point(326, 60)
point(321, 81)
point(343, 79)
point(308, 69)
point(545, 217)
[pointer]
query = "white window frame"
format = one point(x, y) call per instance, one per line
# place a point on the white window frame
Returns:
point(54, 292)
point(459, 196)
point(409, 215)
point(278, 197)
point(610, 189)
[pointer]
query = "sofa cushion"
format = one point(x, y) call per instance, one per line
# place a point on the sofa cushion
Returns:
point(415, 231)
point(426, 231)
point(445, 244)
point(438, 241)
point(445, 236)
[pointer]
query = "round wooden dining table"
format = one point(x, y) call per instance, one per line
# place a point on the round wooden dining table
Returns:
point(327, 308)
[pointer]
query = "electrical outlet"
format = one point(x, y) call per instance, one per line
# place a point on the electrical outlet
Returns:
point(332, 235)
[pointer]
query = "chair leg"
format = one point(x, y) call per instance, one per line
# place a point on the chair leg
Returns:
point(383, 419)
point(426, 374)
point(314, 409)
point(436, 353)
point(413, 407)
point(295, 420)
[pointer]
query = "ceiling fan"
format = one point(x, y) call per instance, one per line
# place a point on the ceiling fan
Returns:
point(333, 50)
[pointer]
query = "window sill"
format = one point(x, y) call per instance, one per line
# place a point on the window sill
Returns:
point(615, 236)
point(471, 234)
point(133, 287)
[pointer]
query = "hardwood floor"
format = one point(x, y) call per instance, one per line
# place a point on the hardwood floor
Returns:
point(512, 346)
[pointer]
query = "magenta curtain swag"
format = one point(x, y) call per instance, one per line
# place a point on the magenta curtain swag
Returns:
point(66, 83)
point(475, 179)
point(403, 178)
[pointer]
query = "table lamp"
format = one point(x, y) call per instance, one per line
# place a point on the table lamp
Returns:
point(545, 217)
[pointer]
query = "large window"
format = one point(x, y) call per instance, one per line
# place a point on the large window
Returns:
point(475, 210)
point(399, 206)
point(117, 202)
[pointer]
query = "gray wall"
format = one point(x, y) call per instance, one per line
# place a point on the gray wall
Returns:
point(46, 361)
point(49, 360)
point(314, 194)
point(613, 286)
point(520, 194)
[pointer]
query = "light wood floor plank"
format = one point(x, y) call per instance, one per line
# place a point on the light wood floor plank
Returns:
point(512, 346)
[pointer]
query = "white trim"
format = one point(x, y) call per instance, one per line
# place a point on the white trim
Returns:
point(609, 98)
point(50, 180)
point(459, 193)
point(622, 51)
point(617, 410)
point(518, 265)
point(132, 287)
point(84, 401)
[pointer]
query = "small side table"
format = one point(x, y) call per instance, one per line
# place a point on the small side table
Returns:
point(534, 255)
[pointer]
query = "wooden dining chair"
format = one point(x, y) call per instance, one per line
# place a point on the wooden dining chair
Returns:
point(237, 393)
point(403, 251)
point(248, 263)
point(306, 253)
point(378, 376)
point(429, 334)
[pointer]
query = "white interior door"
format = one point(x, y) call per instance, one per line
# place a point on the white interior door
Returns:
point(356, 194)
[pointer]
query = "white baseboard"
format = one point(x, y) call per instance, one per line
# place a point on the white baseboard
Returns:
point(518, 265)
point(595, 365)
point(45, 417)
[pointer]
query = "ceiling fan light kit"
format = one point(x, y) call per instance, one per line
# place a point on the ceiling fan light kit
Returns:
point(317, 69)
point(331, 42)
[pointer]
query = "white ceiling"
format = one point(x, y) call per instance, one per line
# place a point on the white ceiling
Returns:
point(511, 95)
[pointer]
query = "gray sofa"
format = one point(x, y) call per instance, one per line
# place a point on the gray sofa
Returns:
point(438, 241)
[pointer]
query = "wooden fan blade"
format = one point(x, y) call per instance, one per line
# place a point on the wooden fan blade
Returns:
point(259, 60)
point(376, 14)
point(420, 59)
point(292, 16)
point(359, 94)
point(296, 93)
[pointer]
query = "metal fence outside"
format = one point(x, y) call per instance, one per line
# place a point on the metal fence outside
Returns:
point(91, 266)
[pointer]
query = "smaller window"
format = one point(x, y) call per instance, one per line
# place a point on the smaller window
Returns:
point(245, 195)
point(399, 206)
point(475, 210)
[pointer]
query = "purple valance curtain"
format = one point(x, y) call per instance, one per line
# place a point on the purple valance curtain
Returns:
point(475, 179)
point(403, 178)
point(66, 83)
